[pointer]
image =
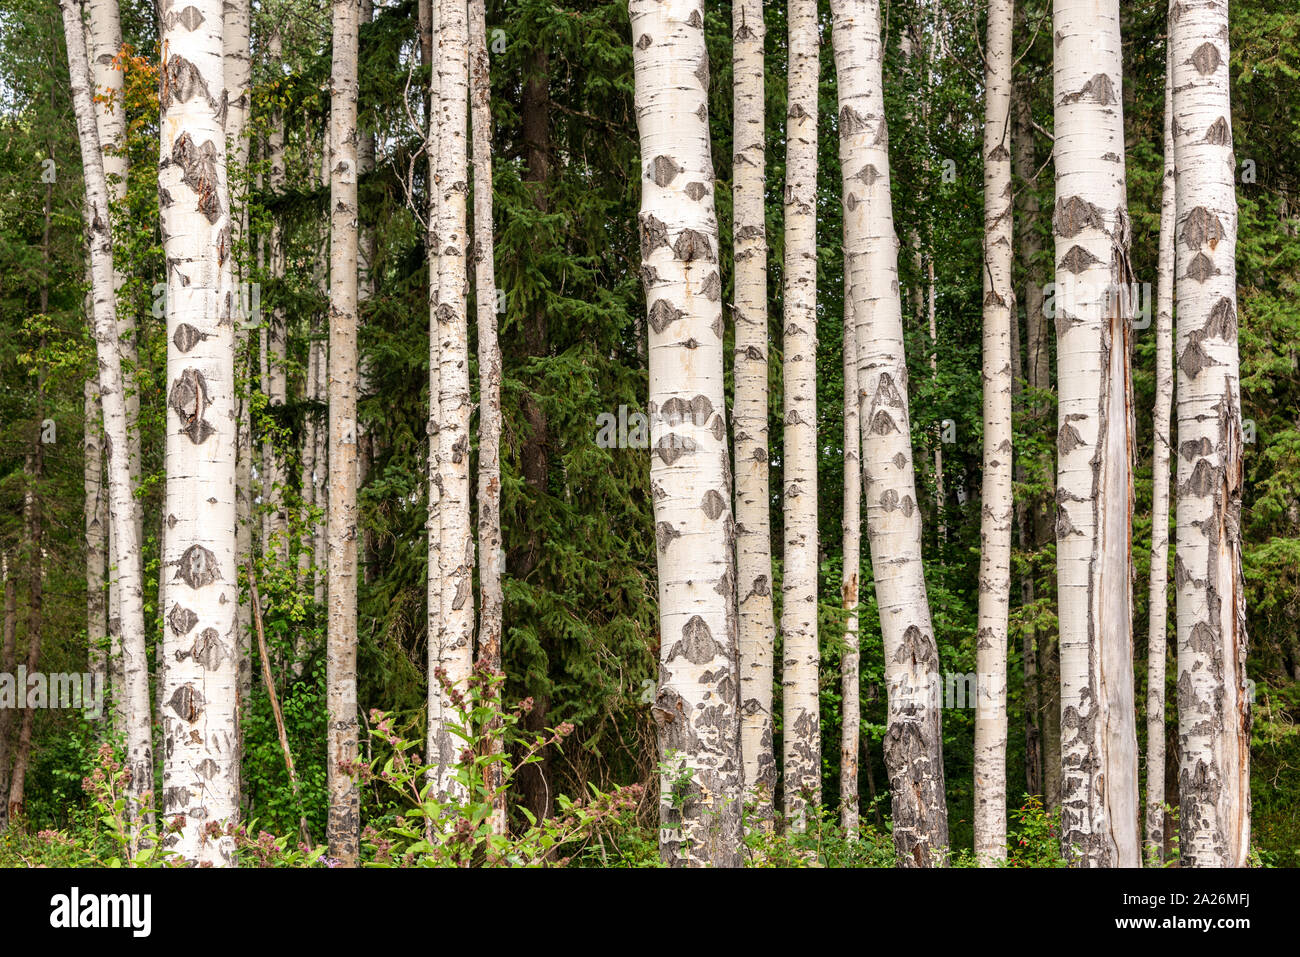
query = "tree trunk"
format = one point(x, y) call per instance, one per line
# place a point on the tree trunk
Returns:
point(96, 519)
point(850, 683)
point(801, 707)
point(1095, 441)
point(455, 635)
point(8, 660)
point(343, 828)
point(996, 512)
point(1157, 647)
point(237, 70)
point(491, 557)
point(697, 706)
point(200, 579)
point(753, 502)
point(275, 474)
point(1213, 692)
point(913, 742)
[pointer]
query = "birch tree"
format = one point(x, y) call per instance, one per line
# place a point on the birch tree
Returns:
point(801, 705)
point(851, 528)
point(996, 511)
point(343, 828)
point(1094, 441)
point(1213, 692)
point(275, 377)
point(200, 580)
point(753, 504)
point(1157, 646)
point(96, 519)
point(913, 742)
point(491, 556)
point(455, 634)
point(112, 392)
point(696, 708)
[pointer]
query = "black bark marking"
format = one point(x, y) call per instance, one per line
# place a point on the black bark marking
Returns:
point(696, 190)
point(882, 423)
point(1203, 481)
point(691, 245)
point(197, 567)
point(1078, 260)
point(644, 42)
point(1099, 90)
point(1222, 322)
point(1206, 59)
point(189, 398)
point(696, 645)
point(662, 314)
point(1068, 439)
point(653, 234)
point(1194, 358)
point(181, 620)
point(1201, 227)
point(868, 175)
point(851, 122)
point(664, 534)
point(187, 337)
point(1074, 214)
point(199, 172)
point(208, 650)
point(187, 702)
point(1201, 268)
point(713, 287)
point(887, 392)
point(672, 447)
point(1219, 133)
point(664, 169)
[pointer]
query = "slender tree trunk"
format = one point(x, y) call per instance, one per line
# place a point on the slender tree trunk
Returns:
point(455, 635)
point(343, 828)
point(801, 706)
point(1213, 691)
point(1095, 441)
point(697, 708)
point(850, 683)
point(491, 557)
point(8, 661)
point(96, 519)
point(200, 580)
point(913, 740)
point(753, 502)
point(1157, 647)
point(996, 511)
point(237, 70)
point(275, 474)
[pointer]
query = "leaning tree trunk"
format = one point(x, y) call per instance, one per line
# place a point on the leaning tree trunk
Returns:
point(112, 391)
point(1157, 647)
point(696, 708)
point(455, 635)
point(491, 556)
point(913, 742)
point(1099, 803)
point(1213, 692)
point(753, 505)
point(996, 512)
point(343, 828)
point(200, 580)
point(801, 708)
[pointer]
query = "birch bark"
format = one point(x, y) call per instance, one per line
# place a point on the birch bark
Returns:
point(696, 708)
point(1095, 438)
point(801, 707)
point(343, 827)
point(996, 511)
point(1213, 692)
point(200, 580)
point(753, 503)
point(913, 742)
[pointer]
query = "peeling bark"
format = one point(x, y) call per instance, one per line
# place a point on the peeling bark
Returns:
point(1094, 498)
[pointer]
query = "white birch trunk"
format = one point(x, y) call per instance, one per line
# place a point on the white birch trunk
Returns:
point(275, 475)
point(1157, 644)
point(850, 681)
point(343, 828)
point(696, 708)
point(200, 580)
point(990, 774)
point(455, 635)
point(913, 743)
point(96, 518)
point(1213, 692)
point(753, 502)
point(112, 391)
point(491, 555)
point(1095, 441)
point(801, 707)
